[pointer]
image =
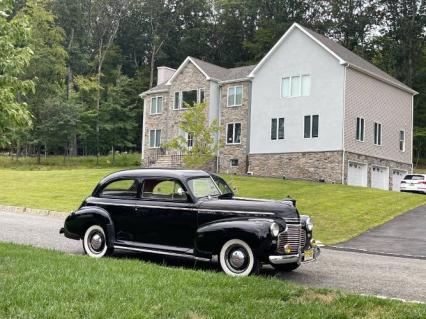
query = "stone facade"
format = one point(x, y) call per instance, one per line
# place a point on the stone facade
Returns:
point(234, 114)
point(316, 166)
point(168, 121)
point(374, 161)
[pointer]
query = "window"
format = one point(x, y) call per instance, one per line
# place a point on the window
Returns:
point(201, 96)
point(121, 188)
point(185, 98)
point(203, 186)
point(298, 85)
point(233, 162)
point(360, 129)
point(190, 140)
point(311, 126)
point(402, 141)
point(377, 133)
point(277, 128)
point(235, 95)
point(154, 138)
point(163, 189)
point(177, 103)
point(156, 105)
point(189, 98)
point(233, 134)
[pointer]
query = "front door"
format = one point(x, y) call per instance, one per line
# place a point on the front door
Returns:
point(165, 214)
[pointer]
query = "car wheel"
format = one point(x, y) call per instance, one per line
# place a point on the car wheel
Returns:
point(94, 242)
point(237, 259)
point(286, 267)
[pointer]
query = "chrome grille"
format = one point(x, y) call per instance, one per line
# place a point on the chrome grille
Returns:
point(293, 237)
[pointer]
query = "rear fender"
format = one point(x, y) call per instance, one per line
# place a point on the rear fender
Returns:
point(78, 222)
point(254, 231)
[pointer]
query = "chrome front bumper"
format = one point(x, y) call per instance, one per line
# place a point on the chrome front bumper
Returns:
point(290, 259)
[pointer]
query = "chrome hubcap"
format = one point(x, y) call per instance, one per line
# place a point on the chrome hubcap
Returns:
point(237, 258)
point(96, 242)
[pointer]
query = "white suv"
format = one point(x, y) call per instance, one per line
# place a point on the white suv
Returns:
point(414, 183)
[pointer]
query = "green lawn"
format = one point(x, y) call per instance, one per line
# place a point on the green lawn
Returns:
point(339, 212)
point(36, 283)
point(58, 162)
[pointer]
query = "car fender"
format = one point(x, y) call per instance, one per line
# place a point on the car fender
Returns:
point(255, 231)
point(77, 223)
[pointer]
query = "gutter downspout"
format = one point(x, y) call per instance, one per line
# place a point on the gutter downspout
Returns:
point(343, 124)
point(143, 132)
point(412, 133)
point(220, 127)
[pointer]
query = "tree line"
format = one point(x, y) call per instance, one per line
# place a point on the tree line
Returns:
point(81, 64)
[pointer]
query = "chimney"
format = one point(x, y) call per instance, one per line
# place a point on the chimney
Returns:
point(164, 74)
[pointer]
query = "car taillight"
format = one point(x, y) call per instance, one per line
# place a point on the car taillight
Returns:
point(422, 182)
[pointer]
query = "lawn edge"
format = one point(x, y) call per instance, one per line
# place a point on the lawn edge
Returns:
point(32, 211)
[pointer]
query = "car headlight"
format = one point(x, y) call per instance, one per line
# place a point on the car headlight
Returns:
point(274, 229)
point(309, 224)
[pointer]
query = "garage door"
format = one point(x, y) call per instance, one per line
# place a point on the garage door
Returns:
point(397, 176)
point(380, 177)
point(357, 174)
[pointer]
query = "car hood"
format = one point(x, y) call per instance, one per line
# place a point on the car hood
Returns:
point(283, 210)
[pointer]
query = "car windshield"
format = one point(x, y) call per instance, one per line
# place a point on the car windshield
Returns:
point(414, 177)
point(203, 187)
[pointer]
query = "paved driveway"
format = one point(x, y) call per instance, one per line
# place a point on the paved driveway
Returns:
point(353, 272)
point(405, 235)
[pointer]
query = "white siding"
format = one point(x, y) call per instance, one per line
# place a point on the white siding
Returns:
point(298, 55)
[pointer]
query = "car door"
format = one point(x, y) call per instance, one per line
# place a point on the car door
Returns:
point(165, 214)
point(118, 198)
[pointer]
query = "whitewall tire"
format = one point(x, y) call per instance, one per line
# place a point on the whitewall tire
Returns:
point(236, 259)
point(95, 242)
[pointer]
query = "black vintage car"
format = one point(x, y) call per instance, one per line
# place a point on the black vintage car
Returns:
point(191, 214)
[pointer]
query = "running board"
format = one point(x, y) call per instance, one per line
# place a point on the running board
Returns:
point(160, 252)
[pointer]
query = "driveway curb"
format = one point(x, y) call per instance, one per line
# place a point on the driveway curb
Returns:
point(32, 211)
point(379, 253)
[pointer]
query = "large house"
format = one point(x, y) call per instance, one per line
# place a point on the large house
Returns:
point(310, 109)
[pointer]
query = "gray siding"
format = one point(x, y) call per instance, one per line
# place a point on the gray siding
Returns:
point(376, 101)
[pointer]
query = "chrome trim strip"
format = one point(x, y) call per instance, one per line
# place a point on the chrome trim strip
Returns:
point(159, 252)
point(284, 259)
point(186, 208)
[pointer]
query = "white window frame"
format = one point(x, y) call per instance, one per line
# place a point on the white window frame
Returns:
point(363, 129)
point(156, 106)
point(155, 138)
point(311, 126)
point(403, 141)
point(291, 84)
point(379, 141)
point(277, 132)
point(233, 133)
point(192, 139)
point(180, 100)
point(234, 87)
point(180, 106)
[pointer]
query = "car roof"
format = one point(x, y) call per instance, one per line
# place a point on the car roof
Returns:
point(156, 172)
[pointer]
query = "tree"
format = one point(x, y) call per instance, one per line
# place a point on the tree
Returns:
point(118, 126)
point(15, 56)
point(204, 148)
point(47, 66)
point(105, 19)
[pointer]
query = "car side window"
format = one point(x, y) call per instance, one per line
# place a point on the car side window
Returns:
point(123, 188)
point(163, 190)
point(223, 186)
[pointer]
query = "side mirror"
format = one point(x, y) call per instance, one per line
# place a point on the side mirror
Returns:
point(235, 190)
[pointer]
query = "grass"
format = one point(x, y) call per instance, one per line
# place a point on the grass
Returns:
point(339, 212)
point(36, 283)
point(79, 162)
